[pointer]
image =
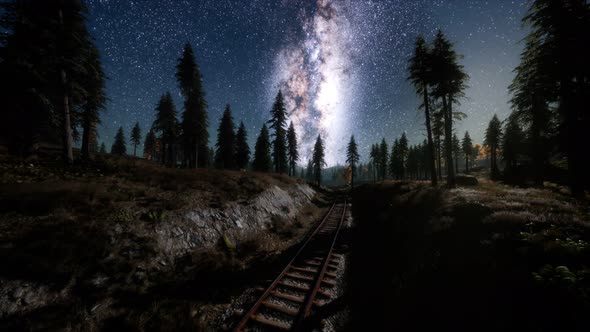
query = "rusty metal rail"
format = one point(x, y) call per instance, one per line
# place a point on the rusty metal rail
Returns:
point(303, 283)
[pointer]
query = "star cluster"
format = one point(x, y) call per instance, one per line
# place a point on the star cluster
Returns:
point(340, 63)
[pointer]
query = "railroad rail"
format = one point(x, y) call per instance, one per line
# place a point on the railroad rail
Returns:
point(303, 284)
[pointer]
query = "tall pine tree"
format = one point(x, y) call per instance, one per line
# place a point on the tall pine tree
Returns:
point(278, 121)
point(420, 69)
point(149, 146)
point(46, 45)
point(166, 124)
point(262, 161)
point(449, 84)
point(318, 161)
point(242, 148)
point(195, 136)
point(292, 153)
point(352, 158)
point(226, 141)
point(467, 150)
point(135, 137)
point(119, 146)
point(493, 136)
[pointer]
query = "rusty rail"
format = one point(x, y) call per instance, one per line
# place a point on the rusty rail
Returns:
point(295, 302)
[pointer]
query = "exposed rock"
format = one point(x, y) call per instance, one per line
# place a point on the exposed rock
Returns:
point(203, 227)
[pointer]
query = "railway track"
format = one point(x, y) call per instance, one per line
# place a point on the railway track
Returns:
point(304, 283)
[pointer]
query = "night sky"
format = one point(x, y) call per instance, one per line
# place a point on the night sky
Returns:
point(341, 64)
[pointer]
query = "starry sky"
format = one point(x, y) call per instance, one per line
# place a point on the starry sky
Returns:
point(341, 64)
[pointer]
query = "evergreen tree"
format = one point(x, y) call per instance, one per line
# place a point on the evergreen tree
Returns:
point(262, 160)
point(278, 121)
point(318, 160)
point(166, 125)
point(375, 159)
point(512, 143)
point(420, 69)
point(226, 141)
point(456, 151)
point(383, 159)
point(449, 84)
point(437, 132)
point(394, 160)
point(51, 74)
point(136, 137)
point(352, 158)
point(467, 150)
point(309, 170)
point(94, 102)
point(242, 148)
point(403, 155)
point(149, 145)
point(103, 148)
point(553, 74)
point(119, 146)
point(195, 136)
point(493, 136)
point(292, 153)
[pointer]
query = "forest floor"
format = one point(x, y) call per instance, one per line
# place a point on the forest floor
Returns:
point(489, 257)
point(78, 246)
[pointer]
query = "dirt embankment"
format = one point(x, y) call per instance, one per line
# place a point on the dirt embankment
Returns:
point(493, 257)
point(128, 244)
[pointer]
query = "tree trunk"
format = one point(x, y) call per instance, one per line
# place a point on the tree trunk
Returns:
point(85, 148)
point(433, 180)
point(448, 123)
point(466, 163)
point(67, 133)
point(135, 150)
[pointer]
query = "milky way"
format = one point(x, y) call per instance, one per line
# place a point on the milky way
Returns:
point(340, 63)
point(315, 75)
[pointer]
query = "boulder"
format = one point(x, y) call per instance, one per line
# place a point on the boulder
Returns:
point(466, 180)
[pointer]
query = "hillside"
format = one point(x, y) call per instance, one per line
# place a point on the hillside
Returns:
point(122, 242)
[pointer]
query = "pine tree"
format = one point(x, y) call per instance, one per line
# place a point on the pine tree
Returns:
point(456, 151)
point(394, 160)
point(467, 150)
point(292, 153)
point(262, 160)
point(374, 156)
point(437, 132)
point(449, 84)
point(420, 69)
point(166, 125)
point(136, 137)
point(553, 74)
point(278, 121)
point(195, 136)
point(226, 141)
point(103, 148)
point(493, 136)
point(149, 146)
point(318, 160)
point(95, 101)
point(403, 155)
point(383, 159)
point(309, 170)
point(119, 146)
point(242, 148)
point(512, 143)
point(47, 47)
point(352, 158)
